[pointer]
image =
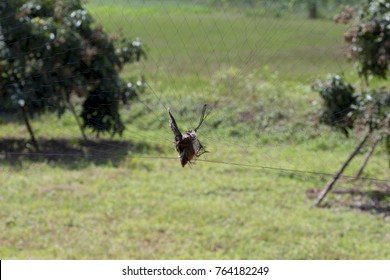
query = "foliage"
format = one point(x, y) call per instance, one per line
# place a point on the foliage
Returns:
point(369, 37)
point(369, 44)
point(374, 108)
point(345, 108)
point(51, 50)
point(339, 101)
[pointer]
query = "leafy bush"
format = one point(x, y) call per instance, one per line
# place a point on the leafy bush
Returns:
point(374, 109)
point(369, 36)
point(339, 102)
point(345, 108)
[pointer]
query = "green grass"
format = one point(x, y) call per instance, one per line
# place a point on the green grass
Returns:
point(129, 198)
point(182, 41)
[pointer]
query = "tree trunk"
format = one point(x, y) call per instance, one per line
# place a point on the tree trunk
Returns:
point(72, 109)
point(28, 125)
point(312, 8)
point(368, 155)
point(332, 181)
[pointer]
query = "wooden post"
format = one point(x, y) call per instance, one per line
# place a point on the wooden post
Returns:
point(28, 125)
point(332, 181)
point(368, 155)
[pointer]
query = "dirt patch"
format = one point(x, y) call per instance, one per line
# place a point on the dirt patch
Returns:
point(373, 198)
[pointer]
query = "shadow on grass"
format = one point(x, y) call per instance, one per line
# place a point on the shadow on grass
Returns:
point(375, 200)
point(69, 153)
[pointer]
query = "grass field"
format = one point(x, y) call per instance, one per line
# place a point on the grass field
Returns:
point(129, 198)
point(190, 40)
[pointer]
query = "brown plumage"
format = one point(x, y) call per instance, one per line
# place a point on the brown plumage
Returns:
point(188, 145)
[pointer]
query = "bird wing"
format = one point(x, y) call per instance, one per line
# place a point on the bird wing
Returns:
point(174, 127)
point(202, 117)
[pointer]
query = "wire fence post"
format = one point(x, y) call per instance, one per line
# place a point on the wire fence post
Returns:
point(332, 181)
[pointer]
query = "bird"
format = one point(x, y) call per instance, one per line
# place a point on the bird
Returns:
point(188, 145)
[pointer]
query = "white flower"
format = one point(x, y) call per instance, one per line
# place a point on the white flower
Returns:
point(137, 43)
point(21, 102)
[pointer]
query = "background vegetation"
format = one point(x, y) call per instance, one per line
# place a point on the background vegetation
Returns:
point(129, 197)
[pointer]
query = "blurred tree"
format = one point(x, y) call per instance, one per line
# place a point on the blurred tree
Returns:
point(51, 50)
point(312, 9)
